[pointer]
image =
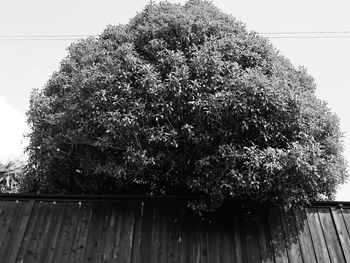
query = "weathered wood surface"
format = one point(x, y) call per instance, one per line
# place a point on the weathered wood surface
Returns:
point(164, 230)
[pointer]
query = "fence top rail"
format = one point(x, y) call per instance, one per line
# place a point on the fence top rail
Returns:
point(81, 197)
point(101, 198)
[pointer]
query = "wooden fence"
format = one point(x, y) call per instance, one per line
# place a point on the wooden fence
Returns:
point(163, 230)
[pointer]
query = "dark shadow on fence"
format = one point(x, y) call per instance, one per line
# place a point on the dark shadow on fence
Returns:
point(164, 230)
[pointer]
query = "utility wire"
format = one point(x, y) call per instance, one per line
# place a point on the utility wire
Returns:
point(304, 32)
point(309, 37)
point(281, 35)
point(36, 39)
point(40, 36)
point(307, 34)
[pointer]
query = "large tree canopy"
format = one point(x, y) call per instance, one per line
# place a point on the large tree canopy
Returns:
point(183, 100)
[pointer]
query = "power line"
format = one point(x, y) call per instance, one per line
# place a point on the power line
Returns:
point(45, 36)
point(309, 37)
point(275, 35)
point(260, 33)
point(36, 39)
point(304, 32)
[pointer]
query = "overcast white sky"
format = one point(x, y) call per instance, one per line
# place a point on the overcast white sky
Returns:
point(25, 65)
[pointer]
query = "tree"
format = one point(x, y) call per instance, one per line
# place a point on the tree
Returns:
point(11, 176)
point(183, 99)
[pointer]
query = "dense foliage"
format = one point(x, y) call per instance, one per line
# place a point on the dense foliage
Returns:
point(11, 176)
point(183, 100)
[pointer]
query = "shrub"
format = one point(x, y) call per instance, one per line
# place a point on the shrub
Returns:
point(183, 100)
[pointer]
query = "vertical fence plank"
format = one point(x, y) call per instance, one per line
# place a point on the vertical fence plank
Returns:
point(346, 217)
point(249, 237)
point(68, 232)
point(277, 235)
point(342, 232)
point(224, 226)
point(146, 233)
point(3, 219)
point(43, 234)
point(117, 236)
point(127, 233)
point(317, 235)
point(13, 237)
point(136, 245)
point(201, 252)
point(291, 236)
point(159, 239)
point(264, 235)
point(95, 229)
point(102, 226)
point(52, 241)
point(82, 229)
point(174, 233)
point(108, 234)
point(104, 251)
point(236, 236)
point(331, 237)
point(184, 247)
point(21, 228)
point(7, 218)
point(303, 231)
point(213, 243)
point(28, 235)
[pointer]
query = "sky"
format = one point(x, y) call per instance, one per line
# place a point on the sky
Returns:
point(28, 64)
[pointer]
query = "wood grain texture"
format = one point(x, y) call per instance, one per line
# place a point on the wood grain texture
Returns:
point(291, 236)
point(160, 231)
point(341, 232)
point(317, 235)
point(304, 236)
point(264, 235)
point(331, 236)
point(277, 235)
